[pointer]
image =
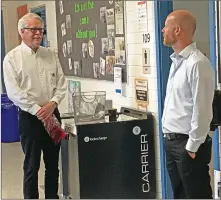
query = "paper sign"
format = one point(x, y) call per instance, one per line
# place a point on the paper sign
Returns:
point(217, 184)
point(142, 15)
point(141, 88)
point(146, 60)
point(118, 79)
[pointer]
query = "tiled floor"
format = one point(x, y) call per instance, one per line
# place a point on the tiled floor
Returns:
point(12, 172)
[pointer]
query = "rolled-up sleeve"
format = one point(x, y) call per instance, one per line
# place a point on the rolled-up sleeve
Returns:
point(202, 84)
point(61, 84)
point(14, 92)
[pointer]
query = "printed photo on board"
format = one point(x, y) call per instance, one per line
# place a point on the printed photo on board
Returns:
point(111, 45)
point(96, 70)
point(63, 29)
point(102, 66)
point(91, 48)
point(68, 21)
point(120, 58)
point(110, 16)
point(103, 14)
point(104, 45)
point(85, 50)
point(119, 44)
point(119, 7)
point(69, 46)
point(61, 7)
point(70, 63)
point(64, 49)
point(110, 61)
point(110, 30)
point(77, 68)
point(119, 17)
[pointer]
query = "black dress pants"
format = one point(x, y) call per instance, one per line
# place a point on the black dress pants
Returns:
point(34, 140)
point(189, 177)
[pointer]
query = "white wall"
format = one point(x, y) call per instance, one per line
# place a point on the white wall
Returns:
point(134, 50)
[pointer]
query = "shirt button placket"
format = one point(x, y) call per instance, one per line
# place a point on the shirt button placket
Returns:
point(42, 79)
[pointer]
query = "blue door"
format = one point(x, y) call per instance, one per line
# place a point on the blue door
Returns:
point(162, 10)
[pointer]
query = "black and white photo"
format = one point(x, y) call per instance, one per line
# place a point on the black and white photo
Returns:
point(70, 63)
point(111, 45)
point(63, 29)
point(119, 7)
point(64, 49)
point(96, 70)
point(85, 50)
point(102, 66)
point(69, 46)
point(119, 44)
point(110, 16)
point(120, 58)
point(119, 17)
point(68, 21)
point(103, 14)
point(61, 7)
point(76, 68)
point(110, 30)
point(104, 45)
point(91, 48)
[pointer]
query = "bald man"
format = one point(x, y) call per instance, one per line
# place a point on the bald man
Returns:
point(187, 110)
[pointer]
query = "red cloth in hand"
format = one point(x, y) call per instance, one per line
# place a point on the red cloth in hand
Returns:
point(53, 127)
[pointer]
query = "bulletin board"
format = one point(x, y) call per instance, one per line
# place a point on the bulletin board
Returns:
point(91, 38)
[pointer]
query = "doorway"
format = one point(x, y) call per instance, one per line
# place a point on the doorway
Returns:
point(41, 11)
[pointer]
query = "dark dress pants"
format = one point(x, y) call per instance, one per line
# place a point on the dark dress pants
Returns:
point(189, 177)
point(34, 140)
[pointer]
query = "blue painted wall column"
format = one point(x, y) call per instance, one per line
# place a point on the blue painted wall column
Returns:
point(212, 27)
point(162, 9)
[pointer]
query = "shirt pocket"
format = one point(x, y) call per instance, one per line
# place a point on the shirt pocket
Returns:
point(52, 77)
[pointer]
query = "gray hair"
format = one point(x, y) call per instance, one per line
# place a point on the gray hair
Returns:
point(23, 21)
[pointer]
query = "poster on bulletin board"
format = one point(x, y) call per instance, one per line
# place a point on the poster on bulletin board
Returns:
point(73, 87)
point(141, 93)
point(91, 38)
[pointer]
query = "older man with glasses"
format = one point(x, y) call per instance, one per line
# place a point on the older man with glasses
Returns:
point(35, 82)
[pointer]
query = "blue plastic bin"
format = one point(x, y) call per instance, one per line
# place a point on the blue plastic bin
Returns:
point(9, 120)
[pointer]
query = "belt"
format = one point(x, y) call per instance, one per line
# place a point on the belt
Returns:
point(175, 136)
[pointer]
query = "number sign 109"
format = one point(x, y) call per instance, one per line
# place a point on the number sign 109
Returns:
point(146, 37)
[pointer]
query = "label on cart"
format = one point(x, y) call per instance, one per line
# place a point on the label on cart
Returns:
point(92, 139)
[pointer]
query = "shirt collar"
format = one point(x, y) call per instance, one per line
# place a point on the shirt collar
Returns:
point(27, 49)
point(185, 52)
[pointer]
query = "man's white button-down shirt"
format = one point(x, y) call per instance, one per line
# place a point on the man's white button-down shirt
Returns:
point(33, 79)
point(189, 96)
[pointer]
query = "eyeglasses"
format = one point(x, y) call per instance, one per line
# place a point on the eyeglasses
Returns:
point(34, 30)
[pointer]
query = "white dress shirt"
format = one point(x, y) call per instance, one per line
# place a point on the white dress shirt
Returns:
point(33, 79)
point(189, 96)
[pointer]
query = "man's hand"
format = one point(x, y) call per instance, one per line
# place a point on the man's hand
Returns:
point(46, 111)
point(192, 155)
